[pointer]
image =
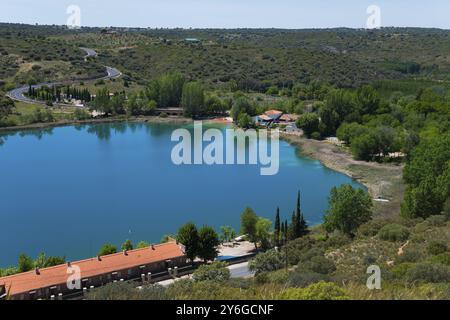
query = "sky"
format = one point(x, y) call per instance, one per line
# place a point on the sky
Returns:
point(292, 14)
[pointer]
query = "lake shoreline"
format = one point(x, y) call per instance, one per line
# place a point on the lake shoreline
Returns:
point(382, 180)
point(62, 123)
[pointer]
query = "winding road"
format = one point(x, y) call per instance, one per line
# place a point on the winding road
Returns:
point(18, 94)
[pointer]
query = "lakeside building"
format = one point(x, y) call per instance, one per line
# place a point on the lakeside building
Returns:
point(275, 116)
point(52, 282)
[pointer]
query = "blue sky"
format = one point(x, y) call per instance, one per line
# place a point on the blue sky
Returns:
point(230, 13)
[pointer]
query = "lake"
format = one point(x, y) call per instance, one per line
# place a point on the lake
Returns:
point(67, 190)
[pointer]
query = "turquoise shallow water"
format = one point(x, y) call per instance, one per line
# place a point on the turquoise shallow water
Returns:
point(68, 190)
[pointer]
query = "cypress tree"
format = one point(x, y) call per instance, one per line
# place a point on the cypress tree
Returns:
point(277, 228)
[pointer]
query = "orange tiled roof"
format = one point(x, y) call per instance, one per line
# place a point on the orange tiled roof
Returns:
point(265, 118)
point(273, 112)
point(48, 277)
point(288, 117)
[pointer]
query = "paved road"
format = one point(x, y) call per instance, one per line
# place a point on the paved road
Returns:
point(240, 271)
point(18, 94)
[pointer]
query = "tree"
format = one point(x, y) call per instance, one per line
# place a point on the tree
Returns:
point(127, 245)
point(248, 225)
point(43, 261)
point(142, 245)
point(242, 105)
point(263, 232)
point(301, 227)
point(309, 123)
point(367, 100)
point(107, 249)
point(193, 100)
point(6, 106)
point(216, 271)
point(214, 105)
point(348, 209)
point(102, 102)
point(244, 121)
point(25, 263)
point(338, 105)
point(188, 236)
point(427, 175)
point(170, 90)
point(227, 234)
point(208, 243)
point(277, 229)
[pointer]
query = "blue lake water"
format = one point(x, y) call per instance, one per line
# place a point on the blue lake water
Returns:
point(66, 191)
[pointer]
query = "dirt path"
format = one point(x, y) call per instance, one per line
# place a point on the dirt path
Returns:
point(382, 180)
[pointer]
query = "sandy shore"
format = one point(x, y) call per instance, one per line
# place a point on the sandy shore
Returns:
point(382, 180)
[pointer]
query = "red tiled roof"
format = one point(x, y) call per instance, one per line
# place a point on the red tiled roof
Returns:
point(28, 281)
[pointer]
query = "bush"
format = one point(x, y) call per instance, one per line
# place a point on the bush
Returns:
point(268, 261)
point(429, 272)
point(318, 264)
point(316, 136)
point(435, 248)
point(216, 271)
point(300, 279)
point(371, 228)
point(393, 232)
point(399, 271)
point(410, 255)
point(127, 291)
point(318, 291)
point(436, 221)
point(443, 258)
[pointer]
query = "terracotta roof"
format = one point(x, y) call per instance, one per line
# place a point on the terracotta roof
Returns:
point(289, 117)
point(265, 118)
point(28, 281)
point(273, 112)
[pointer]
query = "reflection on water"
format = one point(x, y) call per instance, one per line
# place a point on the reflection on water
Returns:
point(68, 190)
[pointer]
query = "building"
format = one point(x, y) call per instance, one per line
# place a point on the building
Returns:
point(52, 282)
point(275, 116)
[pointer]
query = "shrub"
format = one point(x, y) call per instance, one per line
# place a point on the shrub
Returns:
point(107, 249)
point(163, 115)
point(318, 264)
point(319, 291)
point(443, 258)
point(437, 221)
point(268, 261)
point(127, 291)
point(301, 279)
point(410, 255)
point(399, 271)
point(216, 271)
point(371, 228)
point(316, 135)
point(429, 272)
point(435, 248)
point(393, 232)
